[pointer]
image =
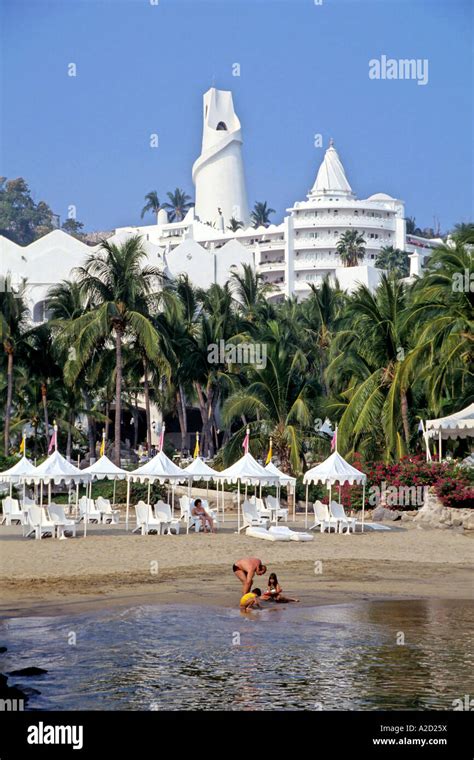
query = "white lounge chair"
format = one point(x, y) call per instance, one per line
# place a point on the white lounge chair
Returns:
point(146, 520)
point(63, 523)
point(295, 535)
point(39, 522)
point(11, 511)
point(108, 515)
point(323, 519)
point(185, 505)
point(251, 517)
point(338, 512)
point(163, 515)
point(262, 509)
point(272, 504)
point(87, 509)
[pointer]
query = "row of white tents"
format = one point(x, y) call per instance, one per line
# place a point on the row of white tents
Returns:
point(245, 472)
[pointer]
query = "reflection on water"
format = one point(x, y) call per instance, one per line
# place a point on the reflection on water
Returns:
point(342, 657)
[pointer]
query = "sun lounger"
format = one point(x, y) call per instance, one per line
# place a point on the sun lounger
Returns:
point(63, 523)
point(108, 515)
point(146, 520)
point(87, 509)
point(11, 511)
point(323, 519)
point(251, 516)
point(338, 512)
point(283, 530)
point(39, 522)
point(167, 522)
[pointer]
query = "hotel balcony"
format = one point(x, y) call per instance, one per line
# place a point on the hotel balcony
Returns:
point(308, 243)
point(360, 221)
point(269, 266)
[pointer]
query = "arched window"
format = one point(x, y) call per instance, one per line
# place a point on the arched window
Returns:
point(221, 127)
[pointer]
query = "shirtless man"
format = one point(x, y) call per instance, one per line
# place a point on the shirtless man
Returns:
point(245, 569)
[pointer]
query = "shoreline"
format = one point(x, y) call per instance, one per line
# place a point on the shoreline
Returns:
point(112, 569)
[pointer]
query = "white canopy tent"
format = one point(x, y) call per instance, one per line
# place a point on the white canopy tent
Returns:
point(457, 425)
point(56, 469)
point(105, 468)
point(334, 470)
point(283, 480)
point(249, 472)
point(19, 473)
point(160, 469)
point(199, 470)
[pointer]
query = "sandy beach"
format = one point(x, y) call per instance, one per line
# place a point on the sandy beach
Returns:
point(111, 567)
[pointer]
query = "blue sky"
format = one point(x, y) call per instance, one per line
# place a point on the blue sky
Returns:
point(142, 69)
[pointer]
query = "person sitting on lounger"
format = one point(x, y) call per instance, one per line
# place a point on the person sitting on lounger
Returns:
point(206, 519)
point(245, 569)
point(274, 591)
point(250, 601)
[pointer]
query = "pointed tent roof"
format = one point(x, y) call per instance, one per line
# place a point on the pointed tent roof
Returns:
point(249, 471)
point(457, 425)
point(56, 469)
point(105, 468)
point(22, 469)
point(284, 479)
point(331, 177)
point(199, 470)
point(159, 468)
point(334, 469)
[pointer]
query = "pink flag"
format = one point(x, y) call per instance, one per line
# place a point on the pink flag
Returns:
point(246, 441)
point(53, 442)
point(334, 440)
point(162, 438)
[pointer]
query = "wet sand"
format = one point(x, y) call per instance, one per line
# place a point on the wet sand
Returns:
point(111, 568)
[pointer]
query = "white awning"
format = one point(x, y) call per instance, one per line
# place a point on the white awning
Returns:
point(56, 469)
point(105, 468)
point(248, 471)
point(284, 479)
point(334, 469)
point(457, 425)
point(19, 472)
point(160, 468)
point(199, 470)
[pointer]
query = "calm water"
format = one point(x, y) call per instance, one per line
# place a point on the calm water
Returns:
point(333, 657)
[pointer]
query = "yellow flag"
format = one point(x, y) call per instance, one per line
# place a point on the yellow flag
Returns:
point(196, 448)
point(270, 453)
point(102, 448)
point(22, 446)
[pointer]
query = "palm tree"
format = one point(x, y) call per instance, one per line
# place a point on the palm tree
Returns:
point(464, 233)
point(260, 215)
point(118, 289)
point(250, 292)
point(351, 248)
point(274, 400)
point(13, 325)
point(179, 205)
point(393, 260)
point(152, 204)
point(367, 375)
point(442, 314)
point(234, 224)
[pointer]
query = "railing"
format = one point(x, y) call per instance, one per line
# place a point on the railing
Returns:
point(342, 220)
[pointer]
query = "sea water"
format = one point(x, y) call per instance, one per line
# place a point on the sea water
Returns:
point(370, 655)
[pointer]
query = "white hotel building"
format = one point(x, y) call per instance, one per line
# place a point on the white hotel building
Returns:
point(291, 256)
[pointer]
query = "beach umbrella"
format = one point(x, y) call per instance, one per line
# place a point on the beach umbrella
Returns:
point(102, 469)
point(159, 469)
point(335, 470)
point(457, 425)
point(246, 471)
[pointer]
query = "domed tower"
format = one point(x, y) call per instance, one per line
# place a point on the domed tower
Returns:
point(218, 173)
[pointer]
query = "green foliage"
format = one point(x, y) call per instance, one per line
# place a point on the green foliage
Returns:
point(21, 219)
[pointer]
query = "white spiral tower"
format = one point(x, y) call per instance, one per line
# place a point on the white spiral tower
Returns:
point(218, 173)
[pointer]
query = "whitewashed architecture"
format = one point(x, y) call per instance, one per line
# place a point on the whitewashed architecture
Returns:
point(291, 256)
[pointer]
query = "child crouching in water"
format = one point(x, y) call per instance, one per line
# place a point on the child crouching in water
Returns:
point(274, 591)
point(250, 601)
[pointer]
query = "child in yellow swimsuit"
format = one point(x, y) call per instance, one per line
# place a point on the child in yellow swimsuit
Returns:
point(250, 601)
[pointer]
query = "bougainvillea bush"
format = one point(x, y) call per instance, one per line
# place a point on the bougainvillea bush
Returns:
point(453, 484)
